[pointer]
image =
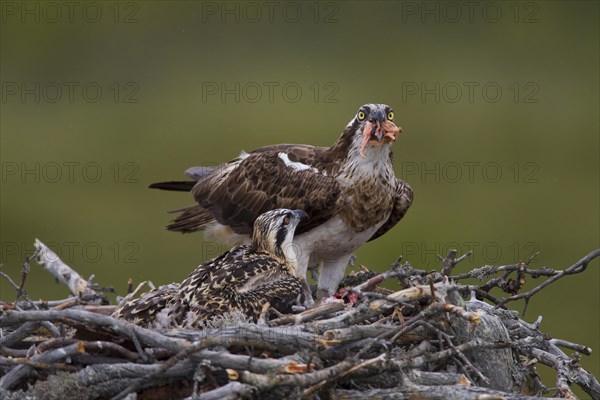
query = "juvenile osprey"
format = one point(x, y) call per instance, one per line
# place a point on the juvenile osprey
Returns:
point(242, 279)
point(349, 190)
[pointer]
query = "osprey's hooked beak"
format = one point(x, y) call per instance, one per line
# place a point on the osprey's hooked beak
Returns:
point(378, 130)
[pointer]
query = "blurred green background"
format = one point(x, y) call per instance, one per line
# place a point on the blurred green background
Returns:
point(499, 104)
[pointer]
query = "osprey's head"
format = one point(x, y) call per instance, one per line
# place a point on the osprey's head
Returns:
point(372, 127)
point(274, 232)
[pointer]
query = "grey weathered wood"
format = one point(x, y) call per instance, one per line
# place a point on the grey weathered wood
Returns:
point(385, 346)
point(449, 392)
point(61, 271)
point(230, 391)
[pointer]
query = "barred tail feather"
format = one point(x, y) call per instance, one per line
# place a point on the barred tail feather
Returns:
point(193, 218)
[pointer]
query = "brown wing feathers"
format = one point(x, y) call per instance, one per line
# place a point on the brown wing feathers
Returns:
point(262, 182)
point(402, 200)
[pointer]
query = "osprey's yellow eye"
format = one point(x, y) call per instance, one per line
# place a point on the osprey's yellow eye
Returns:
point(361, 115)
point(286, 220)
point(391, 115)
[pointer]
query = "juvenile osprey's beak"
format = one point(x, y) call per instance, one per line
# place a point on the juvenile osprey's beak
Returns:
point(300, 215)
point(378, 130)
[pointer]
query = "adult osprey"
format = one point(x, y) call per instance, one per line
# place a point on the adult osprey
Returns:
point(349, 191)
point(242, 279)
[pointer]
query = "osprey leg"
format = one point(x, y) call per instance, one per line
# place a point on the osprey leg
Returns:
point(331, 274)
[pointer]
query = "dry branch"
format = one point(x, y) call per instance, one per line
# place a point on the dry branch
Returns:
point(61, 271)
point(428, 340)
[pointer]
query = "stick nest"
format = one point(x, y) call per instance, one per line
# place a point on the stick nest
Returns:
point(436, 337)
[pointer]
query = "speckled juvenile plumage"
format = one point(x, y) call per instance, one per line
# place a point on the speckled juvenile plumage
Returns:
point(349, 190)
point(240, 280)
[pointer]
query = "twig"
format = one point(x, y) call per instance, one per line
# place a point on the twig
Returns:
point(16, 374)
point(576, 268)
point(265, 382)
point(308, 315)
point(450, 261)
point(573, 346)
point(36, 364)
point(146, 336)
point(340, 374)
point(9, 279)
point(364, 311)
point(231, 391)
point(61, 271)
point(566, 371)
point(369, 284)
point(24, 272)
